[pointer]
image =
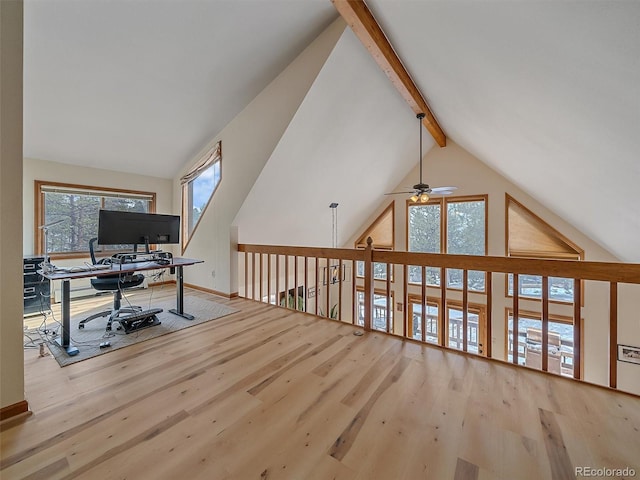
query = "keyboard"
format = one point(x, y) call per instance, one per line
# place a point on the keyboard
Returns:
point(139, 320)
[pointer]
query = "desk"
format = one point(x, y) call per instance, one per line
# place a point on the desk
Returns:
point(178, 263)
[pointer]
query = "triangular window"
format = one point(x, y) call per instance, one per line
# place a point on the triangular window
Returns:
point(530, 236)
point(198, 186)
point(381, 231)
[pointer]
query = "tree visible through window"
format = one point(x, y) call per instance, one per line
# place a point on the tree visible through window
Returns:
point(72, 212)
point(455, 226)
point(198, 187)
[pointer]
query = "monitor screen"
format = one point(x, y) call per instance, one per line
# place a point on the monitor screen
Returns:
point(126, 228)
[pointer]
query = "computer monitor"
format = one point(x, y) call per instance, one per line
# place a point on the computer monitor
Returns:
point(126, 228)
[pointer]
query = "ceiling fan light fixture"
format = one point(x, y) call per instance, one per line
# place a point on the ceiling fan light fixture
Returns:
point(414, 198)
point(424, 198)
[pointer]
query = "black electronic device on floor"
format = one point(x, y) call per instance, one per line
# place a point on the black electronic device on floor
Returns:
point(139, 320)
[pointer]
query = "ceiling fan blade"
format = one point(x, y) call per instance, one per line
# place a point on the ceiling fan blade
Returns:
point(442, 190)
point(399, 193)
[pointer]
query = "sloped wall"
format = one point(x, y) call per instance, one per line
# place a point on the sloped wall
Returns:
point(247, 143)
point(352, 137)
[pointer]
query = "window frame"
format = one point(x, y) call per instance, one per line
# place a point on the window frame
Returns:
point(578, 256)
point(443, 202)
point(381, 293)
point(553, 317)
point(39, 209)
point(478, 309)
point(186, 193)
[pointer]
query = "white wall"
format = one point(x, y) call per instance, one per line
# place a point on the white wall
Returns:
point(455, 166)
point(11, 353)
point(247, 144)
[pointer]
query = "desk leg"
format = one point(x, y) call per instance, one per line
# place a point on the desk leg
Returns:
point(64, 340)
point(179, 310)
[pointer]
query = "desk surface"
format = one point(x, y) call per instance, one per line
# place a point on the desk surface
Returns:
point(119, 268)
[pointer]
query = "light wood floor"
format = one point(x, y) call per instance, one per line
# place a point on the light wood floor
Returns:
point(268, 393)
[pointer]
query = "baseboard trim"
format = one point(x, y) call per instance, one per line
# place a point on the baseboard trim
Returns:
point(159, 284)
point(12, 410)
point(214, 292)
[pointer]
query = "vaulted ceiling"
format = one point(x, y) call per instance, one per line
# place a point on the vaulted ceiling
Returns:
point(546, 93)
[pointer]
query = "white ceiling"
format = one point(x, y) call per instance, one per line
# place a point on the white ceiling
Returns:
point(547, 93)
point(142, 86)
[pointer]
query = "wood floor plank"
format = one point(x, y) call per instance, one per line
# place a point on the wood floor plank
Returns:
point(271, 393)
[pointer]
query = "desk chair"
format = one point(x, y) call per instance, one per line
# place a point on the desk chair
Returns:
point(115, 284)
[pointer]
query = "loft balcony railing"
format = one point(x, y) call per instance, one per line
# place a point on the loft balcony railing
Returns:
point(325, 282)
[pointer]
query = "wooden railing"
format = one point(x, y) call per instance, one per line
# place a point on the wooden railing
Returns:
point(323, 281)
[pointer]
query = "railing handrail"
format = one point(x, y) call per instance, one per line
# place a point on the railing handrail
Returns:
point(584, 270)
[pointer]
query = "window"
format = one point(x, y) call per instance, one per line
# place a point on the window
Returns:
point(560, 341)
point(382, 233)
point(379, 314)
point(198, 186)
point(475, 327)
point(476, 322)
point(455, 225)
point(430, 325)
point(530, 236)
point(72, 212)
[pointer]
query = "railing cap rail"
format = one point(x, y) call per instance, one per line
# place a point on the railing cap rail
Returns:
point(584, 270)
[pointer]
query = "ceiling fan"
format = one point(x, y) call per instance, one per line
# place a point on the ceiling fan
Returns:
point(421, 191)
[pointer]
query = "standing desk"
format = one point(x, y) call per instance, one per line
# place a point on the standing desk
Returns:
point(64, 340)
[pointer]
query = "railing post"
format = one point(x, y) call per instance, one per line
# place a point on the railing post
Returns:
point(613, 334)
point(577, 328)
point(488, 346)
point(368, 284)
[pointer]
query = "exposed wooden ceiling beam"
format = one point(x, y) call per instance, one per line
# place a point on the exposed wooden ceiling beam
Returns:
point(364, 25)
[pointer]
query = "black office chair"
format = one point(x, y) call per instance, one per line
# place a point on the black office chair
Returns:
point(115, 284)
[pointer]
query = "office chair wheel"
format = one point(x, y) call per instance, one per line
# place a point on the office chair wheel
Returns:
point(108, 328)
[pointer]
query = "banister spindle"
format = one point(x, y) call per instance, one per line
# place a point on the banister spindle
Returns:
point(465, 310)
point(577, 328)
point(423, 305)
point(295, 282)
point(246, 274)
point(306, 283)
point(354, 291)
point(277, 278)
point(261, 278)
point(443, 333)
point(545, 323)
point(340, 290)
point(268, 278)
point(487, 347)
point(253, 276)
point(328, 278)
point(405, 300)
point(613, 335)
point(368, 284)
point(389, 302)
point(516, 309)
point(286, 281)
point(317, 265)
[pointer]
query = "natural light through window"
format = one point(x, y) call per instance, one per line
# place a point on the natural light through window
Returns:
point(198, 187)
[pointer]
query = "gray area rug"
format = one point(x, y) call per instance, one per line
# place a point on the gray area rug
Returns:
point(89, 338)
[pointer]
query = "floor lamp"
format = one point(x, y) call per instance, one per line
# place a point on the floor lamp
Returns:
point(47, 267)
